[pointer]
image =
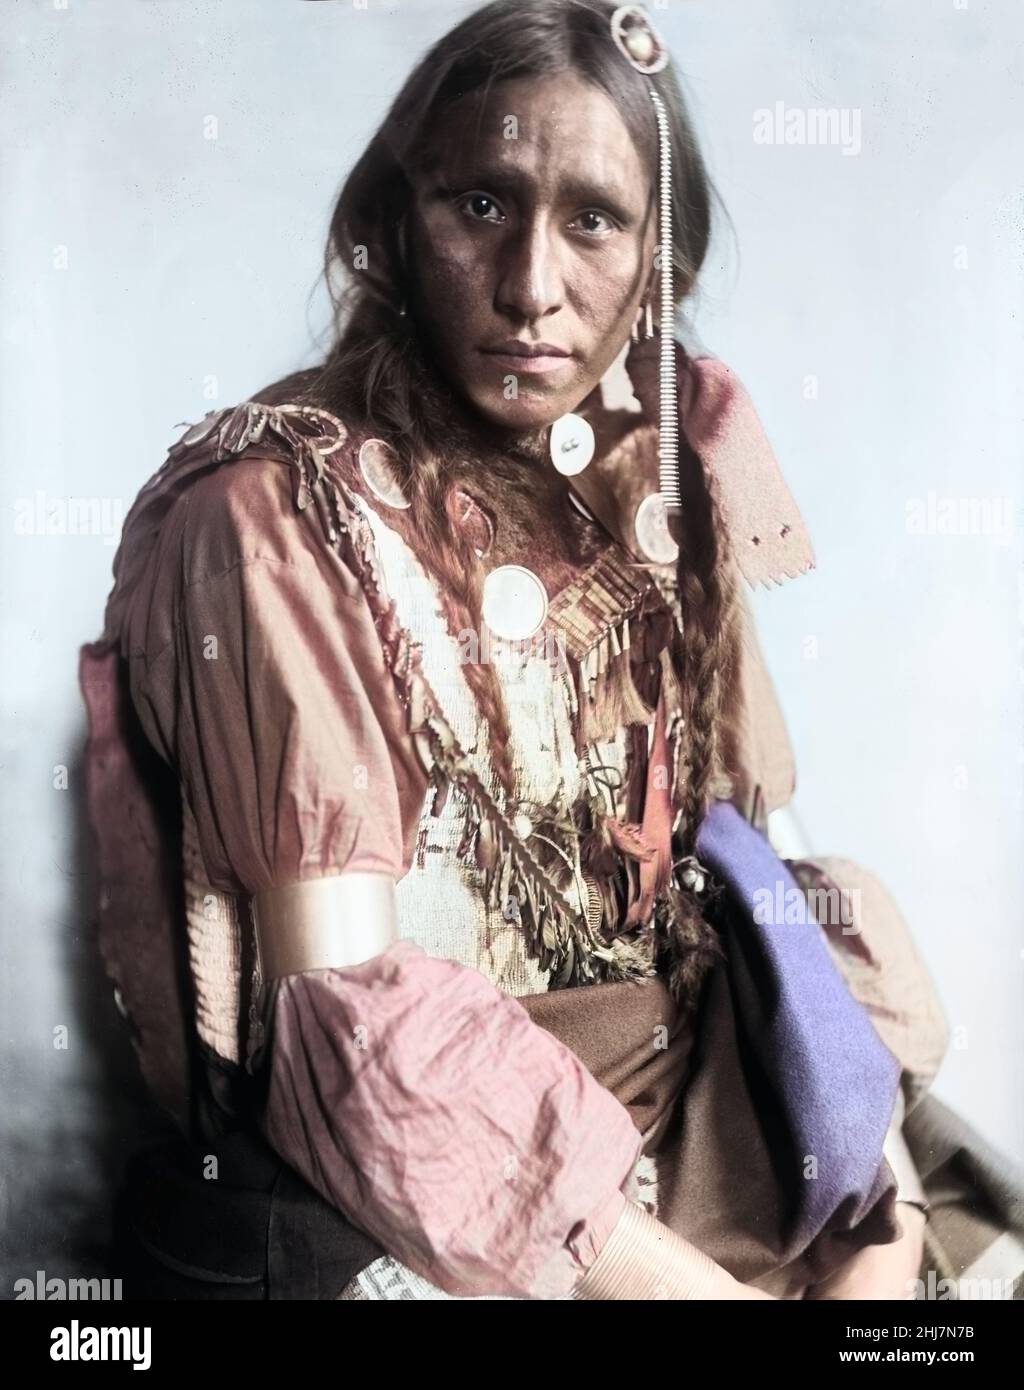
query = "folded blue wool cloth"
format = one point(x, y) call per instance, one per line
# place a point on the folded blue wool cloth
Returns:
point(826, 1083)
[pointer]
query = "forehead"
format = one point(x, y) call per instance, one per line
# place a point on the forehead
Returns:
point(543, 128)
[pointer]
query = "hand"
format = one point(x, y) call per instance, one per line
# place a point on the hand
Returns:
point(879, 1271)
point(747, 1292)
point(725, 1286)
point(643, 1259)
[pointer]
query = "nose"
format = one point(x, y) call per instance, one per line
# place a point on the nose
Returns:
point(529, 282)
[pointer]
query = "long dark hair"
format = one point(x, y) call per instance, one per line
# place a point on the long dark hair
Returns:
point(378, 376)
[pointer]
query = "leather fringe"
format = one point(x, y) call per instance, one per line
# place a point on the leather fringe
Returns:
point(605, 694)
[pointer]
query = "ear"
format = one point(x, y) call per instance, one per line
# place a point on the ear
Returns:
point(642, 368)
point(653, 293)
point(642, 360)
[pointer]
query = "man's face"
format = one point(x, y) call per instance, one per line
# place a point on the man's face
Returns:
point(533, 224)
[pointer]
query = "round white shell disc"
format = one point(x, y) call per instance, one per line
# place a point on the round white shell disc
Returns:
point(652, 533)
point(377, 465)
point(571, 444)
point(515, 602)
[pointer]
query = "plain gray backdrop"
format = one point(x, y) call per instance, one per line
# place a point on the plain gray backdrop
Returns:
point(168, 171)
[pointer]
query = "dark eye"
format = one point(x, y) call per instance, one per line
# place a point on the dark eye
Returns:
point(481, 207)
point(596, 223)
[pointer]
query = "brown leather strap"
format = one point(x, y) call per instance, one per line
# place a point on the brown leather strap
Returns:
point(657, 821)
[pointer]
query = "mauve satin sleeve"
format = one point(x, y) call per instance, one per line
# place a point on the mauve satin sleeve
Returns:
point(409, 1091)
point(471, 1143)
point(273, 694)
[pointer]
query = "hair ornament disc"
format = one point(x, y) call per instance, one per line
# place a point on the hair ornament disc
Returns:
point(638, 39)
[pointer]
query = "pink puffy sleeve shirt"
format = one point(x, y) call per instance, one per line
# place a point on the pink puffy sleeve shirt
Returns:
point(410, 1092)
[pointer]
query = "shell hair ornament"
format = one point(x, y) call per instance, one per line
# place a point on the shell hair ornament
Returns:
point(645, 49)
point(638, 39)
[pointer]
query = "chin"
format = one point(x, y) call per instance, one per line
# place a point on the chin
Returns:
point(527, 411)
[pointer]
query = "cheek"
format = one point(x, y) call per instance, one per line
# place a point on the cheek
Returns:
point(607, 290)
point(450, 270)
point(606, 298)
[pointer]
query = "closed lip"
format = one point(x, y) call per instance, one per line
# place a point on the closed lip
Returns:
point(515, 347)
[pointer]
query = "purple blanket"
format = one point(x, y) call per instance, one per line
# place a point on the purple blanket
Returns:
point(809, 1046)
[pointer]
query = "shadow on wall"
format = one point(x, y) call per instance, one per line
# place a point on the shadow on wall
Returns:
point(72, 1127)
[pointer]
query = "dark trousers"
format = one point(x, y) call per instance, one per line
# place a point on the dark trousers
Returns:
point(228, 1220)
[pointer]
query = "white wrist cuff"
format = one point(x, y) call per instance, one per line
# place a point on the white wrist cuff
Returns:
point(644, 1259)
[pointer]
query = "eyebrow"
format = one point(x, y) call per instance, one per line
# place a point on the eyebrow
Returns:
point(583, 191)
